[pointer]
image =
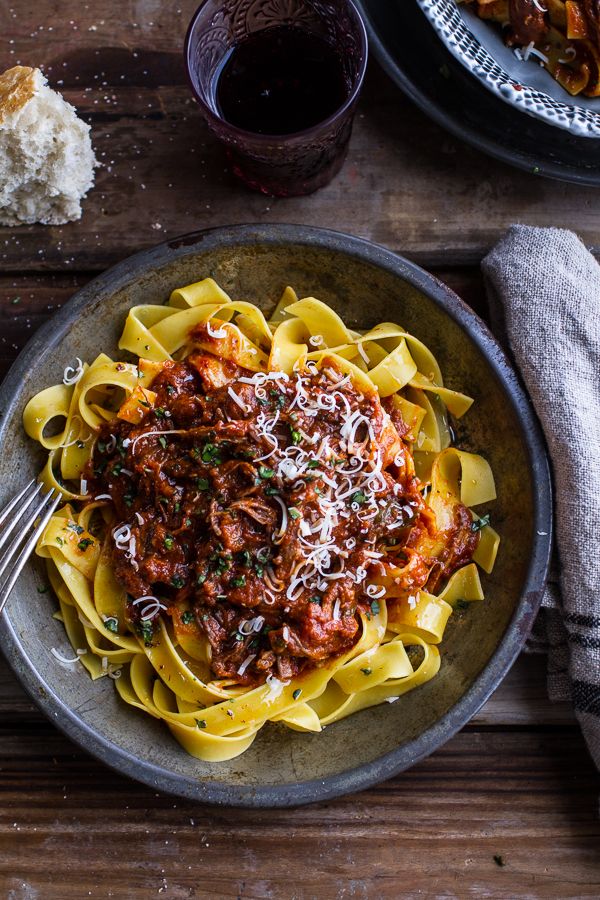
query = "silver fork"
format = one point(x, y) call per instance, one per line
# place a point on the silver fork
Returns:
point(24, 518)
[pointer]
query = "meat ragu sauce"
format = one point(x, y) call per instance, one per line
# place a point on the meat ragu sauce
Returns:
point(258, 509)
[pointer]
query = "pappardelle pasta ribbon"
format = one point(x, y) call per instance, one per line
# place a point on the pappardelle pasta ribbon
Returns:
point(264, 519)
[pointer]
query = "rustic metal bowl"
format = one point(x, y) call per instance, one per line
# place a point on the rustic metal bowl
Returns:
point(367, 284)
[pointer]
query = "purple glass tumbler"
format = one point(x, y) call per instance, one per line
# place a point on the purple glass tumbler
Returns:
point(281, 165)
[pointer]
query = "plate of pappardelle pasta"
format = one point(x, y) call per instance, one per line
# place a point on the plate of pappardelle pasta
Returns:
point(541, 56)
point(274, 522)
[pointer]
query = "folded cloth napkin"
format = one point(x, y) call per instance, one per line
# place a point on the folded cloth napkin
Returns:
point(545, 286)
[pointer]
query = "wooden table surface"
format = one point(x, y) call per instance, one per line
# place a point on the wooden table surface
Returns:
point(509, 807)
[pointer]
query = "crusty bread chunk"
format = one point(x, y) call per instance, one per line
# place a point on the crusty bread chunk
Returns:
point(46, 157)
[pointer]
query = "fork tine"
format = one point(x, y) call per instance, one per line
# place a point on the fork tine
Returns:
point(27, 549)
point(24, 526)
point(11, 505)
point(17, 515)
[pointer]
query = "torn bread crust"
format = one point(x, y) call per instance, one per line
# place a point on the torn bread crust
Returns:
point(46, 157)
point(17, 87)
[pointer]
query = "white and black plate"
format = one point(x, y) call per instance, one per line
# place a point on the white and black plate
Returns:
point(524, 84)
point(409, 50)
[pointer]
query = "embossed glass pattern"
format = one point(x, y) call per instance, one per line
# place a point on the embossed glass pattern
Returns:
point(280, 165)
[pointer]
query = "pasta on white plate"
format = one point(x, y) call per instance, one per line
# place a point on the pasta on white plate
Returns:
point(264, 520)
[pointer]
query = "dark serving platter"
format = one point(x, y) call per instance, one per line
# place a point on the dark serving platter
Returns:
point(367, 284)
point(409, 50)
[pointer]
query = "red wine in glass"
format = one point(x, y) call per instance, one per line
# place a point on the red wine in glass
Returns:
point(280, 81)
point(277, 84)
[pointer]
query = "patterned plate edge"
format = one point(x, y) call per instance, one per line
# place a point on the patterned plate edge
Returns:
point(446, 19)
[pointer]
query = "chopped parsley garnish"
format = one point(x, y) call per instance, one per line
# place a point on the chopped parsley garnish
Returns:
point(128, 499)
point(239, 581)
point(367, 671)
point(112, 624)
point(59, 541)
point(211, 454)
point(297, 693)
point(116, 469)
point(262, 558)
point(146, 632)
point(294, 513)
point(177, 581)
point(159, 412)
point(296, 436)
point(163, 442)
point(245, 558)
point(203, 484)
point(220, 564)
point(278, 398)
point(169, 541)
point(201, 723)
point(358, 497)
point(316, 599)
point(314, 463)
point(73, 526)
point(187, 617)
point(270, 491)
point(170, 389)
point(375, 607)
point(265, 472)
point(201, 578)
point(84, 543)
point(478, 524)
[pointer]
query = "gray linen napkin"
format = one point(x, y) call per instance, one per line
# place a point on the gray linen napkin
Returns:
point(546, 287)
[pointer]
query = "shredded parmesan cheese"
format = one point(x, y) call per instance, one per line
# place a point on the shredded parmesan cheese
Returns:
point(217, 332)
point(72, 374)
point(66, 660)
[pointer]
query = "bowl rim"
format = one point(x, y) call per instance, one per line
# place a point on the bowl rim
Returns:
point(401, 758)
point(452, 29)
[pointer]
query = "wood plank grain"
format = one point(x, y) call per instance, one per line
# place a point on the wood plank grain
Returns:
point(406, 184)
point(26, 302)
point(71, 828)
